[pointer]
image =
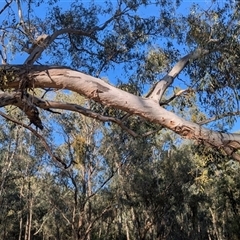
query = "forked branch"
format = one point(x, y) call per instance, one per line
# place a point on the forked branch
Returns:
point(159, 89)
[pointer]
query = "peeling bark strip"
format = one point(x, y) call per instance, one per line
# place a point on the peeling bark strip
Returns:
point(100, 91)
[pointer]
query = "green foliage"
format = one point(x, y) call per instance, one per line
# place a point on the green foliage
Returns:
point(5, 77)
point(156, 61)
point(117, 186)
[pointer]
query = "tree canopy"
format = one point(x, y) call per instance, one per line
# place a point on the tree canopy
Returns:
point(135, 62)
point(117, 120)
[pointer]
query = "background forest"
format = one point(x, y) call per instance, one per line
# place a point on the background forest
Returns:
point(106, 173)
point(118, 187)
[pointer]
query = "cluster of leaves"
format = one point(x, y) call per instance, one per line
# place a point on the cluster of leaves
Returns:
point(215, 76)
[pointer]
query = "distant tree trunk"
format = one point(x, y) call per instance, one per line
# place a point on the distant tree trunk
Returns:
point(26, 230)
point(29, 214)
point(21, 217)
point(127, 229)
point(30, 218)
point(20, 228)
point(215, 224)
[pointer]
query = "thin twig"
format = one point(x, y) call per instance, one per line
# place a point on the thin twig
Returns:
point(174, 96)
point(7, 5)
point(215, 118)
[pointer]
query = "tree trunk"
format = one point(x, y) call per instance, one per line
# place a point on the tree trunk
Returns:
point(215, 224)
point(29, 214)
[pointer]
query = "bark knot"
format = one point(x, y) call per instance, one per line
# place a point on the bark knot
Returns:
point(184, 131)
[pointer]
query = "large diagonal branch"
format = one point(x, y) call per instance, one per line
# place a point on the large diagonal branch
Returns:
point(100, 91)
point(160, 88)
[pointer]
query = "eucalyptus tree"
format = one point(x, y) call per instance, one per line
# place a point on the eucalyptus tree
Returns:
point(189, 59)
point(82, 204)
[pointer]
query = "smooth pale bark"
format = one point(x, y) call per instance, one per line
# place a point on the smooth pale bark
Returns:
point(161, 86)
point(100, 91)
